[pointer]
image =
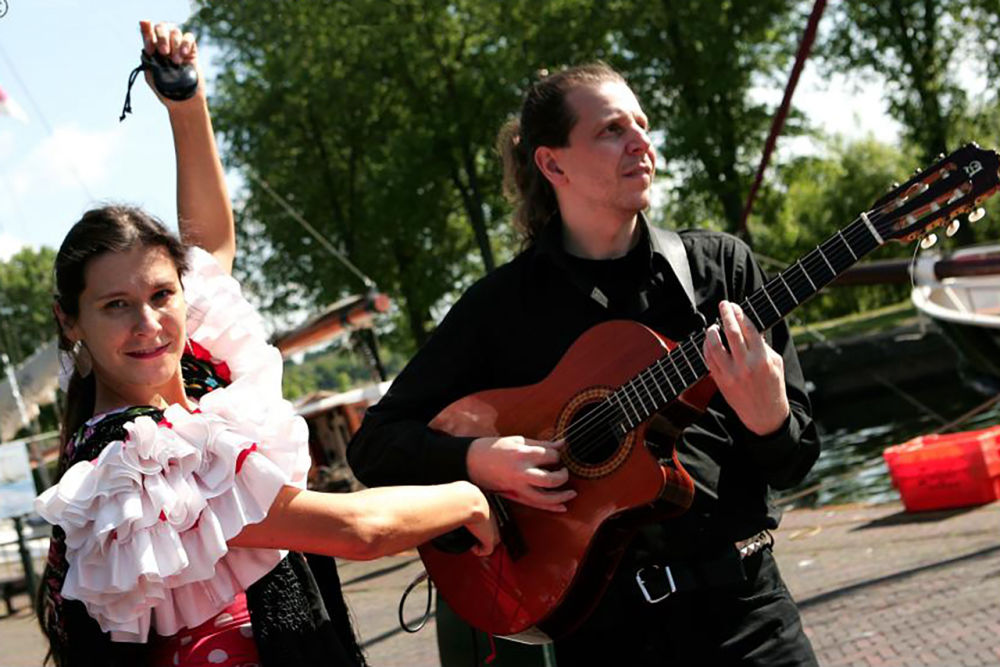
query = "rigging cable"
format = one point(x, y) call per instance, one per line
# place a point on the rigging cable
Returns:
point(44, 120)
point(323, 241)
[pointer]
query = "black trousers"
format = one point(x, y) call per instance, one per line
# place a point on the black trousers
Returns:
point(754, 623)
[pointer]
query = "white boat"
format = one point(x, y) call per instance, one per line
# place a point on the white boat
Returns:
point(960, 292)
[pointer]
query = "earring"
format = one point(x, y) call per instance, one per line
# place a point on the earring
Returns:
point(82, 359)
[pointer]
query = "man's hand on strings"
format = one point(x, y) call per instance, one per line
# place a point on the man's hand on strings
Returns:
point(750, 375)
point(168, 40)
point(523, 470)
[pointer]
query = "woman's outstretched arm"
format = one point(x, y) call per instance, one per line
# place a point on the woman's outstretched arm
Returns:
point(205, 214)
point(372, 523)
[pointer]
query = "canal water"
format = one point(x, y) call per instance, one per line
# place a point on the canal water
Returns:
point(855, 432)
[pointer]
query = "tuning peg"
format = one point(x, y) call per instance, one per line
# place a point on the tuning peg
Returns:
point(977, 215)
point(928, 241)
point(952, 228)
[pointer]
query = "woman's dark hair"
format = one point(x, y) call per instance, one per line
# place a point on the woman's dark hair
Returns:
point(545, 120)
point(109, 229)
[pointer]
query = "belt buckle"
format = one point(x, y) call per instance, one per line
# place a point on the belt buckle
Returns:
point(752, 545)
point(642, 584)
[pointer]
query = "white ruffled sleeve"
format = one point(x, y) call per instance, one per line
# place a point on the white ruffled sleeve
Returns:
point(147, 522)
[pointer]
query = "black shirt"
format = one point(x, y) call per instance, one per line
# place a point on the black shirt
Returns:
point(512, 327)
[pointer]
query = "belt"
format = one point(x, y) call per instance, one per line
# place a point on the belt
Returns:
point(657, 582)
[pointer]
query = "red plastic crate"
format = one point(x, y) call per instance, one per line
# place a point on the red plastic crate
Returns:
point(952, 470)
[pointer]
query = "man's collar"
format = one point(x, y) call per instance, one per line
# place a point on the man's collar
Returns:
point(550, 241)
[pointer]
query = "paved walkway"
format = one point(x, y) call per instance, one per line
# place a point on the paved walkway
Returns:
point(876, 587)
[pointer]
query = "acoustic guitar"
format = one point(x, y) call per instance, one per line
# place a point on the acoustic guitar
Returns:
point(615, 385)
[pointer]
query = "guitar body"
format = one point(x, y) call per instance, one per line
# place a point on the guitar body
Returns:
point(550, 582)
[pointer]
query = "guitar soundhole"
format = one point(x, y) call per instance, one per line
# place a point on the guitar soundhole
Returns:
point(593, 448)
point(592, 441)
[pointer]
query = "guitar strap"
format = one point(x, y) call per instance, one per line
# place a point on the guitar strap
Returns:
point(668, 243)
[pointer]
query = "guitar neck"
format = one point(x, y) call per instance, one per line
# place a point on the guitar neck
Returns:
point(681, 368)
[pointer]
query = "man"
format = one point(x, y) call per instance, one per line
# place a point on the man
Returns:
point(579, 164)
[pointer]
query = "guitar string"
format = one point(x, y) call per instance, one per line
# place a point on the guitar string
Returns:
point(684, 349)
point(690, 351)
point(826, 254)
point(695, 343)
point(586, 436)
point(818, 257)
point(749, 299)
point(840, 249)
point(692, 346)
point(822, 255)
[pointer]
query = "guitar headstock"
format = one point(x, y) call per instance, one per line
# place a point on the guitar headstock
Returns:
point(954, 185)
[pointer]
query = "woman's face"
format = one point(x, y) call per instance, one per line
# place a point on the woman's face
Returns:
point(131, 318)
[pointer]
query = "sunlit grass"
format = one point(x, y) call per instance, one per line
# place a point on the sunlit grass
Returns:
point(873, 321)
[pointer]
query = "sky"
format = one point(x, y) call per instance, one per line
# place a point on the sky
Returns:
point(66, 64)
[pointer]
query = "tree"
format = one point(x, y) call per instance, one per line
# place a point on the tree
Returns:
point(811, 197)
point(918, 48)
point(911, 44)
point(694, 63)
point(26, 289)
point(377, 121)
point(304, 102)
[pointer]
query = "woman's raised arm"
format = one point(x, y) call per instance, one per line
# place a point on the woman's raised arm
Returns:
point(205, 214)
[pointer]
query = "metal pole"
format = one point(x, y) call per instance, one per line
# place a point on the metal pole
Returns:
point(29, 569)
point(43, 471)
point(15, 389)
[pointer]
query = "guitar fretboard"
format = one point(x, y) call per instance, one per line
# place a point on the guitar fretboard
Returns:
point(668, 377)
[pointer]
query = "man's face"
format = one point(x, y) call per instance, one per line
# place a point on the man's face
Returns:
point(609, 162)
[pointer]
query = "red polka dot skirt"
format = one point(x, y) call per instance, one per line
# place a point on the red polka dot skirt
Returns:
point(223, 641)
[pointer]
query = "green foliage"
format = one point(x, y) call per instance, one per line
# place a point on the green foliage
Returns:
point(304, 100)
point(376, 120)
point(335, 369)
point(875, 320)
point(26, 289)
point(918, 48)
point(694, 63)
point(812, 197)
point(925, 52)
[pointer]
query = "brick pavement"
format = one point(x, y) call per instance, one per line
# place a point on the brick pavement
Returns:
point(876, 587)
point(374, 602)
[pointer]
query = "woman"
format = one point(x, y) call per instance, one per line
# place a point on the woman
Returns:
point(183, 470)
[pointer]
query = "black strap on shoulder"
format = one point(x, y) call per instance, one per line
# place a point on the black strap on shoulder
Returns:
point(669, 244)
